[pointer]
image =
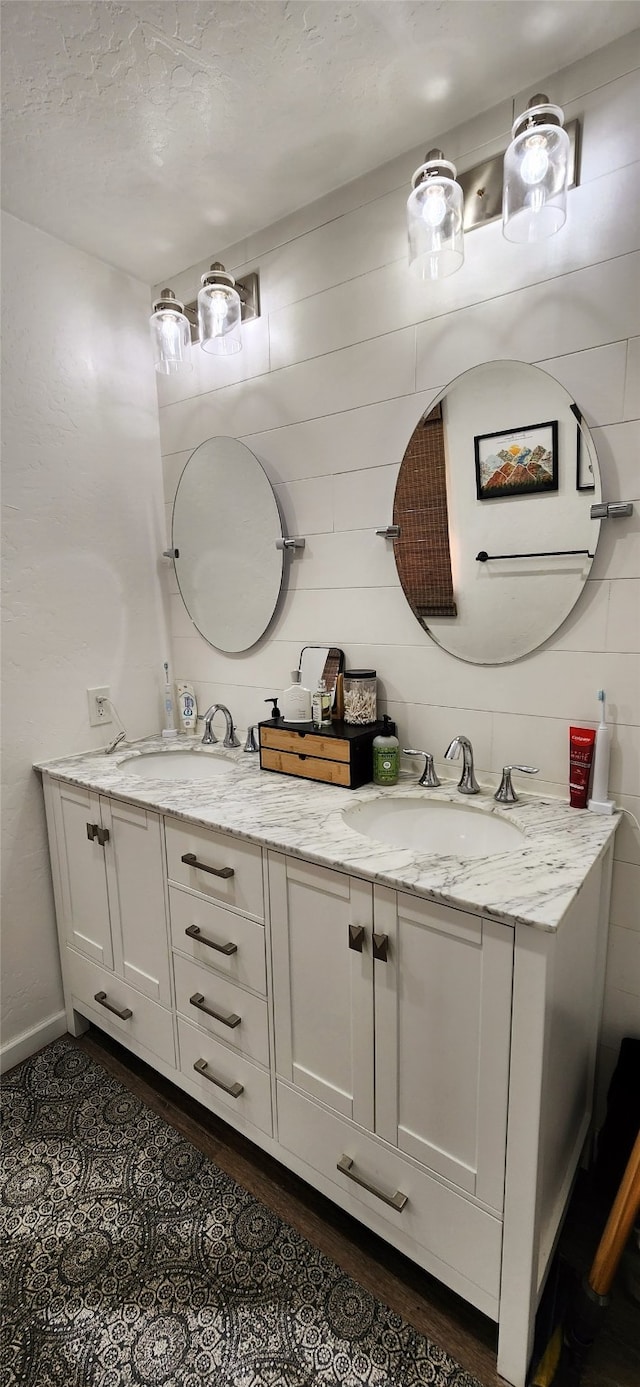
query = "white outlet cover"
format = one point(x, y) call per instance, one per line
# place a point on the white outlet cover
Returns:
point(99, 716)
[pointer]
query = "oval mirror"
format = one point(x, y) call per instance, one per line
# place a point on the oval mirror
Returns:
point(493, 506)
point(225, 526)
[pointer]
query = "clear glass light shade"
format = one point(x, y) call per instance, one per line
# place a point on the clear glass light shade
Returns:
point(435, 227)
point(171, 340)
point(536, 166)
point(219, 319)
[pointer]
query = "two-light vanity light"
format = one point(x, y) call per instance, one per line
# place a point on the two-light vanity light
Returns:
point(534, 193)
point(213, 319)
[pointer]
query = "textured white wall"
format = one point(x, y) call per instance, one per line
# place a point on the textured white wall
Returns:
point(334, 376)
point(82, 531)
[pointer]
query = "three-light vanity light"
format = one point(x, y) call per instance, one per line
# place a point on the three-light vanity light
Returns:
point(213, 319)
point(535, 177)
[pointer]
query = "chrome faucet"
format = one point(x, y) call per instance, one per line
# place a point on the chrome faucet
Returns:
point(210, 738)
point(467, 783)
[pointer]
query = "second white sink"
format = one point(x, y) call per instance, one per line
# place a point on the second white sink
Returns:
point(433, 826)
point(177, 765)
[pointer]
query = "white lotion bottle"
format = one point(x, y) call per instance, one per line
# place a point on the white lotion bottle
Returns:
point(599, 802)
point(295, 702)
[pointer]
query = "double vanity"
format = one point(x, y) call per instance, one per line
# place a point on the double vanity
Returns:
point(394, 992)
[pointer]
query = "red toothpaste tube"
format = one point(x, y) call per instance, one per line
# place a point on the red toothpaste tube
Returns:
point(581, 744)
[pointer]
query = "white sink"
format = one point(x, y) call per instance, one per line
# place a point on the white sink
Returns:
point(177, 765)
point(433, 826)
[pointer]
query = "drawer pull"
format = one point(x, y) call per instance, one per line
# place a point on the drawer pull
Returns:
point(103, 836)
point(230, 1019)
point(235, 1090)
point(124, 1014)
point(356, 937)
point(191, 861)
point(397, 1200)
point(193, 932)
point(380, 947)
point(92, 830)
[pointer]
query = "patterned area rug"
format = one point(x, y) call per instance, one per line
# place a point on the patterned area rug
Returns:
point(129, 1259)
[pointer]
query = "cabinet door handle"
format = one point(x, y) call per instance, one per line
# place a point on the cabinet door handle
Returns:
point(193, 932)
point(229, 1019)
point(192, 861)
point(102, 835)
point(124, 1014)
point(397, 1200)
point(235, 1090)
point(92, 830)
point(381, 947)
point(356, 937)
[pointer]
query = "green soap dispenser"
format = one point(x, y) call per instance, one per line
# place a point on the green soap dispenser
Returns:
point(386, 755)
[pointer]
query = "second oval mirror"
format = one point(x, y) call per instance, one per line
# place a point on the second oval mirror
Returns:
point(493, 506)
point(225, 527)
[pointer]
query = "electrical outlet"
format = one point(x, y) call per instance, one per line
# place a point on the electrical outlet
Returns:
point(99, 708)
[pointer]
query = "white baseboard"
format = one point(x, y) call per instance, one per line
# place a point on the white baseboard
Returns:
point(15, 1051)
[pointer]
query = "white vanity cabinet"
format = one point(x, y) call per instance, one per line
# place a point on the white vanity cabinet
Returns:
point(108, 878)
point(427, 1067)
point(395, 1014)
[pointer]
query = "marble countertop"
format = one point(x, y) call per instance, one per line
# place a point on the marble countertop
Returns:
point(534, 884)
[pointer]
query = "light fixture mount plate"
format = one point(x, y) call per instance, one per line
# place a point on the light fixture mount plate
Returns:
point(249, 290)
point(482, 185)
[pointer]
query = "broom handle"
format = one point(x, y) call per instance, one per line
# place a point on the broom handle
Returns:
point(618, 1227)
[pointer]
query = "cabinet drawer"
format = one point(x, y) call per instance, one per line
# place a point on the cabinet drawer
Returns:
point(219, 928)
point(222, 1066)
point(309, 743)
point(149, 1024)
point(309, 767)
point(455, 1231)
point(249, 1034)
point(242, 889)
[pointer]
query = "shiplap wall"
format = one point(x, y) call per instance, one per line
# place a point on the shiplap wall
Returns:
point(349, 351)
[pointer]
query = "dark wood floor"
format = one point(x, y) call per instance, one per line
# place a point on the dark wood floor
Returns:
point(438, 1313)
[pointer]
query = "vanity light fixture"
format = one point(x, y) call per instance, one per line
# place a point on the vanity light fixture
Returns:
point(536, 168)
point(435, 219)
point(527, 187)
point(170, 335)
point(213, 319)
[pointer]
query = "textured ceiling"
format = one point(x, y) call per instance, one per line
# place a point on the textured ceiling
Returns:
point(154, 133)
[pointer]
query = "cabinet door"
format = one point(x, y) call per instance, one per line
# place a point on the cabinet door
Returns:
point(137, 898)
point(323, 984)
point(83, 881)
point(443, 1021)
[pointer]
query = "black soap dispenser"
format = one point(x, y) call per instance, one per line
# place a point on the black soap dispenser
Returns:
point(275, 712)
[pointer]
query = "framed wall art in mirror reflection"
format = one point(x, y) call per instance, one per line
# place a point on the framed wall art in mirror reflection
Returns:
point(517, 462)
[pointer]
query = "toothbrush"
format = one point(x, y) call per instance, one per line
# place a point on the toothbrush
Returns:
point(599, 802)
point(169, 729)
